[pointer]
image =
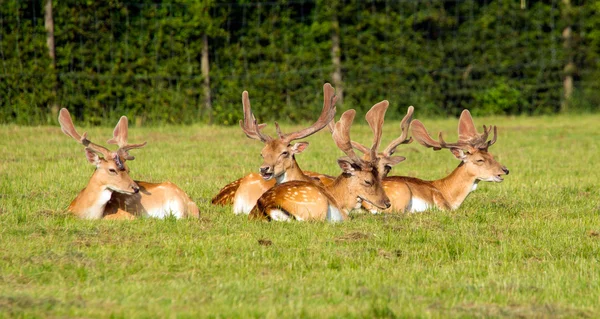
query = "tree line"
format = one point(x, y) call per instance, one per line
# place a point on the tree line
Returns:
point(185, 61)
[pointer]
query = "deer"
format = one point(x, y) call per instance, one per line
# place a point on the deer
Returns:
point(359, 182)
point(279, 156)
point(111, 193)
point(409, 194)
point(386, 159)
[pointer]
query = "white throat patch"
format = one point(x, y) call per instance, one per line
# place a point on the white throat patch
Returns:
point(96, 211)
point(281, 179)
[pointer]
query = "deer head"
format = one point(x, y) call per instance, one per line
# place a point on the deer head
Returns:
point(362, 176)
point(471, 148)
point(279, 154)
point(111, 170)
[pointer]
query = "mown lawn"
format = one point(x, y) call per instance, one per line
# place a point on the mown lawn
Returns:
point(528, 247)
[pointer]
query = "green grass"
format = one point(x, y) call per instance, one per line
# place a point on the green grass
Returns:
point(528, 247)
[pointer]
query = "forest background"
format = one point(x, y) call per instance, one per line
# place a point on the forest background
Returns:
point(188, 61)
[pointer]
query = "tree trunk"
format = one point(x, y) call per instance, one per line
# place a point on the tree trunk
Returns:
point(49, 25)
point(206, 76)
point(570, 67)
point(336, 60)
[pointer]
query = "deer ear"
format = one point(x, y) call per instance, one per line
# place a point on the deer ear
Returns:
point(92, 157)
point(299, 147)
point(346, 165)
point(459, 154)
point(394, 160)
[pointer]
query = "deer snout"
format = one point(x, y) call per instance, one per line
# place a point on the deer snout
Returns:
point(136, 189)
point(387, 203)
point(505, 170)
point(264, 169)
point(266, 172)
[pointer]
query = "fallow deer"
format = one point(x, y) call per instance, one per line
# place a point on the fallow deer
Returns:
point(111, 193)
point(302, 200)
point(279, 162)
point(385, 159)
point(477, 164)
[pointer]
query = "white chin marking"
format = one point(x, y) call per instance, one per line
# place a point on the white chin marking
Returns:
point(358, 204)
point(333, 214)
point(418, 205)
point(279, 215)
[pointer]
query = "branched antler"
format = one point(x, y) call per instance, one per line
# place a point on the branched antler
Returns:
point(253, 130)
point(120, 134)
point(403, 139)
point(468, 138)
point(375, 117)
point(327, 114)
point(249, 125)
point(66, 125)
point(341, 136)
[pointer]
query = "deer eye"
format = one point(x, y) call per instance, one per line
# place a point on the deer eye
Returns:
point(285, 154)
point(368, 183)
point(112, 171)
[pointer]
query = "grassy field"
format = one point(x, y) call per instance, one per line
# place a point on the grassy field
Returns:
point(528, 247)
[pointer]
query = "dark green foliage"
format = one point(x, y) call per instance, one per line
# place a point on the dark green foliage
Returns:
point(143, 58)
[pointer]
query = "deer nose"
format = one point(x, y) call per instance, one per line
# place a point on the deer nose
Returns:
point(136, 189)
point(264, 169)
point(387, 203)
point(505, 170)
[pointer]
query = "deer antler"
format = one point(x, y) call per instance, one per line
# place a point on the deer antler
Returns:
point(120, 135)
point(327, 115)
point(403, 139)
point(253, 130)
point(249, 124)
point(341, 135)
point(468, 138)
point(375, 118)
point(66, 125)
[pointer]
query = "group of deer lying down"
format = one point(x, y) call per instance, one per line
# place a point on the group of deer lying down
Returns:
point(281, 191)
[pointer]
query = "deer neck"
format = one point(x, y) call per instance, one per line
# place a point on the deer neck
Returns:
point(293, 173)
point(340, 194)
point(457, 186)
point(91, 201)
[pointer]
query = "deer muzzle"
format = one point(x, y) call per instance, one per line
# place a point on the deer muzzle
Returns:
point(266, 172)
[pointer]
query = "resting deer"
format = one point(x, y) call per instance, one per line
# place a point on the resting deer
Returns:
point(385, 160)
point(111, 193)
point(477, 164)
point(302, 200)
point(279, 162)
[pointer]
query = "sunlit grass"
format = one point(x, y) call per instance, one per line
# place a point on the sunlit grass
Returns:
point(528, 247)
